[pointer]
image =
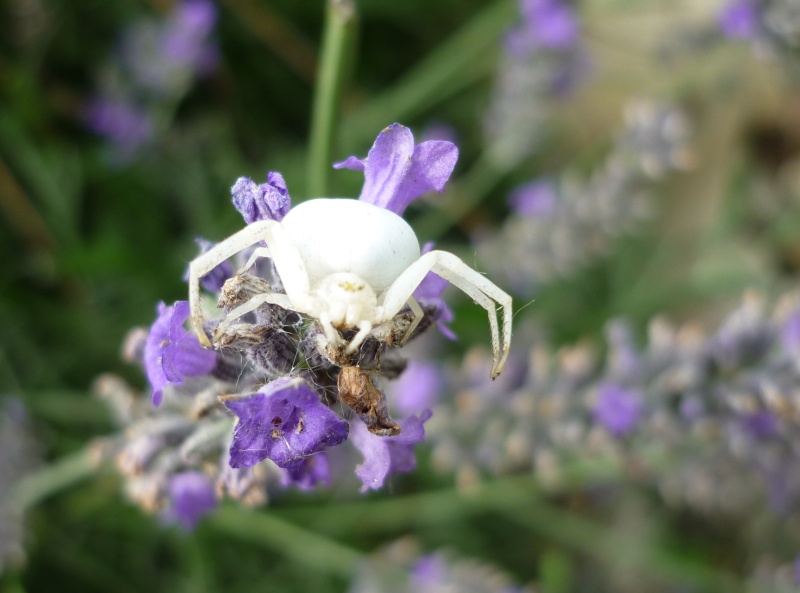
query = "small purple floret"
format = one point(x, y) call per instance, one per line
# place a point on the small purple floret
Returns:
point(618, 409)
point(171, 353)
point(121, 121)
point(268, 201)
point(191, 496)
point(535, 199)
point(384, 456)
point(309, 472)
point(739, 19)
point(760, 424)
point(396, 171)
point(547, 24)
point(285, 422)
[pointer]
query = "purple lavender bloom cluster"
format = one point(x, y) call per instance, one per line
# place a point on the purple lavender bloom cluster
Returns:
point(543, 59)
point(153, 68)
point(558, 225)
point(710, 422)
point(271, 406)
point(401, 568)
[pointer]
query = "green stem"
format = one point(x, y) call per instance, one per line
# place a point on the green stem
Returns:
point(339, 20)
point(53, 478)
point(465, 57)
point(305, 547)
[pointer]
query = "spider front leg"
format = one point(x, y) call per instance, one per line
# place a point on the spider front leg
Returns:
point(460, 275)
point(287, 260)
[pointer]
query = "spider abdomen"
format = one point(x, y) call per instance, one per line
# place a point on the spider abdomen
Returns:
point(336, 235)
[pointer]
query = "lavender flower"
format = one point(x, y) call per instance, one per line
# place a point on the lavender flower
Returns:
point(710, 422)
point(151, 71)
point(543, 59)
point(384, 456)
point(285, 422)
point(268, 201)
point(172, 353)
point(396, 171)
point(617, 409)
point(559, 225)
point(739, 19)
point(191, 496)
point(400, 567)
point(275, 371)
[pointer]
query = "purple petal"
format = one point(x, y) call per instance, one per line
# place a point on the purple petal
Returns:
point(384, 456)
point(285, 422)
point(353, 163)
point(309, 472)
point(396, 172)
point(171, 353)
point(191, 496)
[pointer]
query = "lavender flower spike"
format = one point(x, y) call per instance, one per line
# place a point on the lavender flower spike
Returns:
point(285, 422)
point(396, 172)
point(171, 353)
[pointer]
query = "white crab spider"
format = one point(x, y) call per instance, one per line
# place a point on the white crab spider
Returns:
point(348, 264)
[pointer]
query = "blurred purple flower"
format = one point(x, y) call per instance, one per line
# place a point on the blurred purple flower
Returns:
point(618, 409)
point(548, 24)
point(760, 424)
point(122, 122)
point(417, 388)
point(790, 335)
point(396, 171)
point(171, 353)
point(285, 422)
point(268, 201)
point(384, 456)
point(191, 496)
point(535, 199)
point(739, 19)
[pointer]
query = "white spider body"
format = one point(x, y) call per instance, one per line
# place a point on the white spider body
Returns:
point(344, 235)
point(348, 264)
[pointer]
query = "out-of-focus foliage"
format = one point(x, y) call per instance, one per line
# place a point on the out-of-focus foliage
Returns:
point(645, 164)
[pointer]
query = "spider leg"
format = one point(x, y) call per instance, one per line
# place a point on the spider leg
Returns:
point(257, 253)
point(418, 315)
point(254, 303)
point(364, 327)
point(287, 260)
point(476, 286)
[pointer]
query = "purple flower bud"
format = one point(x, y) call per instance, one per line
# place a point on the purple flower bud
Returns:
point(172, 353)
point(285, 422)
point(191, 496)
point(396, 172)
point(268, 201)
point(618, 409)
point(384, 456)
point(119, 120)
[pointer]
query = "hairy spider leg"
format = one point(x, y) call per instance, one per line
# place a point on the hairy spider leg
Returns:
point(287, 260)
point(477, 287)
point(274, 298)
